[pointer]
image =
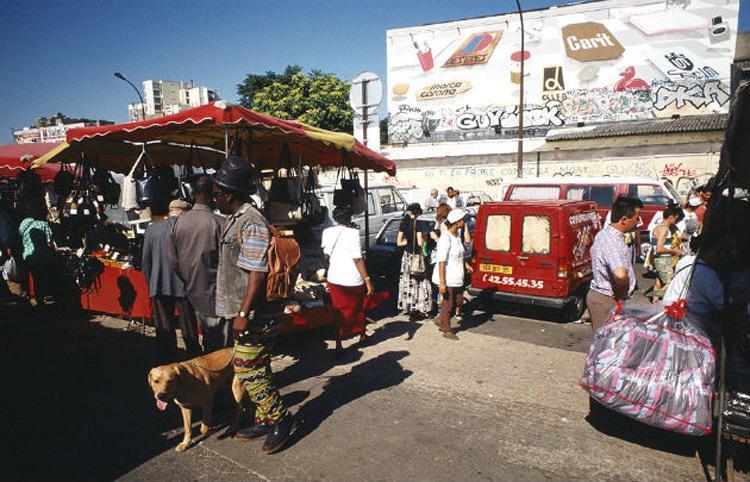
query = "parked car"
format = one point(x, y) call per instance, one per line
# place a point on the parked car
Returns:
point(535, 253)
point(384, 257)
point(602, 190)
point(475, 198)
point(384, 201)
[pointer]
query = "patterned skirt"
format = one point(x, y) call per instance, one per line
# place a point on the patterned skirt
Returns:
point(414, 294)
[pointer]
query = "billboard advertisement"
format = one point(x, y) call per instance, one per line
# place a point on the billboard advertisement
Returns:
point(603, 61)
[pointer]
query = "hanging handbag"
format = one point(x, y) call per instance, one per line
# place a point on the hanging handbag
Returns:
point(145, 181)
point(127, 193)
point(416, 260)
point(342, 196)
point(313, 212)
point(351, 192)
point(188, 175)
point(10, 270)
point(106, 185)
point(359, 200)
point(63, 182)
point(286, 189)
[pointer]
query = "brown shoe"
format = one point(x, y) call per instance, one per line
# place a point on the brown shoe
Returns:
point(450, 335)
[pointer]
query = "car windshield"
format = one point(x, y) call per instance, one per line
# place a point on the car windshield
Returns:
point(390, 232)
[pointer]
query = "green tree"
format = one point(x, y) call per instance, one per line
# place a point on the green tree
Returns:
point(255, 82)
point(319, 99)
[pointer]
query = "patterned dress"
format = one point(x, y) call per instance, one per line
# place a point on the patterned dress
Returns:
point(414, 294)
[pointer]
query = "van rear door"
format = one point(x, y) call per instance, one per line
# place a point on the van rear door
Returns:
point(492, 244)
point(537, 251)
point(515, 249)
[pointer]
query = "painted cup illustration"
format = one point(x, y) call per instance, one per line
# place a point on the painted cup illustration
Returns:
point(424, 54)
point(515, 68)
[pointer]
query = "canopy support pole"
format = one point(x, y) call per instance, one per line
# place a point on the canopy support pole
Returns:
point(226, 142)
point(367, 216)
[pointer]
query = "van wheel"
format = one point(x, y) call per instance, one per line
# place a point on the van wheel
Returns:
point(574, 310)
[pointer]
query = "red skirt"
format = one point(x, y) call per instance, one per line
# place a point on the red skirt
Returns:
point(349, 305)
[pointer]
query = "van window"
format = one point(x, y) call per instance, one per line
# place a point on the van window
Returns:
point(497, 233)
point(390, 202)
point(530, 193)
point(601, 195)
point(535, 235)
point(649, 194)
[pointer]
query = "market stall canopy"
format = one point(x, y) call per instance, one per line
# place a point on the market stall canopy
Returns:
point(15, 158)
point(119, 156)
point(214, 124)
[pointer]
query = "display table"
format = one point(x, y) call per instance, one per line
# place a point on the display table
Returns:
point(118, 291)
point(309, 319)
point(122, 291)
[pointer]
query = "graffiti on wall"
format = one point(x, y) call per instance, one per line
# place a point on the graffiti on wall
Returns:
point(606, 104)
point(507, 118)
point(712, 94)
point(621, 102)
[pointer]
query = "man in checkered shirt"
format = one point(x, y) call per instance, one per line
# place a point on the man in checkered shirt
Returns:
point(612, 261)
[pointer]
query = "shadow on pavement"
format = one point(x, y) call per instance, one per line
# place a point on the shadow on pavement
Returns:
point(625, 428)
point(76, 400)
point(379, 373)
point(312, 356)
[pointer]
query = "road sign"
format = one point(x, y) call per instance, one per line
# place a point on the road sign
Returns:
point(366, 93)
point(373, 131)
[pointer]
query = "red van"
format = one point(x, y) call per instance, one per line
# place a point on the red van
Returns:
point(602, 190)
point(535, 252)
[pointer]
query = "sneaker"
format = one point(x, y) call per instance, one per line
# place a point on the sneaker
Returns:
point(280, 434)
point(460, 318)
point(256, 431)
point(450, 335)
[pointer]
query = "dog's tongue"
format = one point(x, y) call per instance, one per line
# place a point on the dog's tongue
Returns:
point(161, 405)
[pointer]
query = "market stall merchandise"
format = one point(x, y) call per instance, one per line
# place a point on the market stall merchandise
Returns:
point(284, 153)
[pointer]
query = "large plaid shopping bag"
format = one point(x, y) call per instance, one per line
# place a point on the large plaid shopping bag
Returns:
point(651, 364)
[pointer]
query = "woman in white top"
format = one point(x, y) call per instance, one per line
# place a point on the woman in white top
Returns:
point(348, 283)
point(449, 271)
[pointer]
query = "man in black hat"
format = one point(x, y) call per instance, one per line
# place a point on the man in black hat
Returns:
point(241, 297)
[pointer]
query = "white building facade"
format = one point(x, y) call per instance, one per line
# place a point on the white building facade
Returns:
point(165, 97)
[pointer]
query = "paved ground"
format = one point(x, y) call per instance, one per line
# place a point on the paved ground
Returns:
point(500, 404)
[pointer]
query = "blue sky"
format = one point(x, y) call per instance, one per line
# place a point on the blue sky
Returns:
point(60, 56)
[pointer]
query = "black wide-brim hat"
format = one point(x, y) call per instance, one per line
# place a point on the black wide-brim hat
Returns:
point(236, 174)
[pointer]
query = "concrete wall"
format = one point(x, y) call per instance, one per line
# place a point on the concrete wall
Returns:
point(685, 159)
point(684, 170)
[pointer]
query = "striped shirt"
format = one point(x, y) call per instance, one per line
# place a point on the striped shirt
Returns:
point(608, 253)
point(254, 250)
point(237, 257)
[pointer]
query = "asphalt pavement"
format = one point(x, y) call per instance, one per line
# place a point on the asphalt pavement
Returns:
point(502, 403)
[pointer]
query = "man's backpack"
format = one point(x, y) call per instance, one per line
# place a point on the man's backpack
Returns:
point(283, 261)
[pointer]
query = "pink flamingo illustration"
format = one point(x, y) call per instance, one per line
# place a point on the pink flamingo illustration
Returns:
point(629, 82)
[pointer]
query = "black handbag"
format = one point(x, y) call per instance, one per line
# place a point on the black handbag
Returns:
point(313, 212)
point(145, 181)
point(286, 189)
point(107, 186)
point(63, 182)
point(351, 192)
point(188, 175)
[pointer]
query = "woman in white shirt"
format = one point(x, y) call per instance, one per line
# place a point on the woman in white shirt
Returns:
point(449, 271)
point(348, 283)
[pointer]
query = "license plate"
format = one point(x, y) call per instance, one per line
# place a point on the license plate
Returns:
point(495, 268)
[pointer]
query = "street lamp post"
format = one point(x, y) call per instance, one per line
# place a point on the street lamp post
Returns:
point(143, 104)
point(519, 167)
